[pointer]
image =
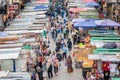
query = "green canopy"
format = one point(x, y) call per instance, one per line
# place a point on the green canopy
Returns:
point(115, 78)
point(50, 0)
point(105, 39)
point(27, 47)
point(101, 33)
point(89, 14)
point(106, 51)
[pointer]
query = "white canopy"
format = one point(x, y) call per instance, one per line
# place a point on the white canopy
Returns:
point(4, 73)
point(12, 45)
point(112, 58)
point(33, 13)
point(36, 27)
point(94, 57)
point(11, 53)
point(24, 31)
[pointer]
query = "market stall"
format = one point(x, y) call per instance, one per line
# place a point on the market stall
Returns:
point(100, 41)
point(106, 58)
point(24, 31)
point(103, 33)
point(81, 54)
point(10, 57)
point(15, 75)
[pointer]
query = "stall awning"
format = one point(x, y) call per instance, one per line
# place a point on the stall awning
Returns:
point(106, 51)
point(77, 9)
point(11, 53)
point(112, 58)
point(24, 31)
point(3, 73)
point(115, 78)
point(94, 57)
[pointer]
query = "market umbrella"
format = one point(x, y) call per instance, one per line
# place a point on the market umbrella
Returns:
point(88, 23)
point(40, 7)
point(107, 22)
point(92, 4)
point(78, 20)
point(110, 45)
point(77, 9)
point(3, 34)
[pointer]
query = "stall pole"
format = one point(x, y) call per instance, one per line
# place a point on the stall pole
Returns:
point(14, 65)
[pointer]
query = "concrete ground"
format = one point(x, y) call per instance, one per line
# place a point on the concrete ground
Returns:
point(63, 74)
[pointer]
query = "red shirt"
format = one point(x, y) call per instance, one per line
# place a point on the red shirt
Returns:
point(40, 59)
point(105, 66)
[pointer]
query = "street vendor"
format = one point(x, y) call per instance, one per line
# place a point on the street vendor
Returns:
point(87, 39)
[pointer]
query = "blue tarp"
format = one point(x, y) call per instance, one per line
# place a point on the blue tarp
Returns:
point(92, 4)
point(41, 7)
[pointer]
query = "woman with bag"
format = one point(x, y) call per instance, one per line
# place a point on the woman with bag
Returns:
point(69, 64)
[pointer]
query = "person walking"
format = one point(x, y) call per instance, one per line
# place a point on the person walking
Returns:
point(56, 65)
point(69, 64)
point(69, 44)
point(40, 73)
point(49, 68)
point(64, 33)
point(40, 60)
point(65, 51)
point(67, 32)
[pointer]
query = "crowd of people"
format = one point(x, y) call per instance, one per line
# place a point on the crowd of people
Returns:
point(49, 60)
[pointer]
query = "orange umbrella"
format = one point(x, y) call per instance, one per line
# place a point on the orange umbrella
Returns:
point(88, 0)
point(77, 9)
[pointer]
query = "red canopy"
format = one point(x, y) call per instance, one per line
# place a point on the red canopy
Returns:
point(77, 9)
point(41, 1)
point(88, 0)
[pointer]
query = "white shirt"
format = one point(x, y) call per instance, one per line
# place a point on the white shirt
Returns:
point(112, 67)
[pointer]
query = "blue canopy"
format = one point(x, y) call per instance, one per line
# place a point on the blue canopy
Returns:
point(92, 4)
point(41, 7)
point(107, 22)
point(78, 20)
point(85, 24)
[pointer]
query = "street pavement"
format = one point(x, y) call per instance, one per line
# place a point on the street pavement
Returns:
point(63, 74)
